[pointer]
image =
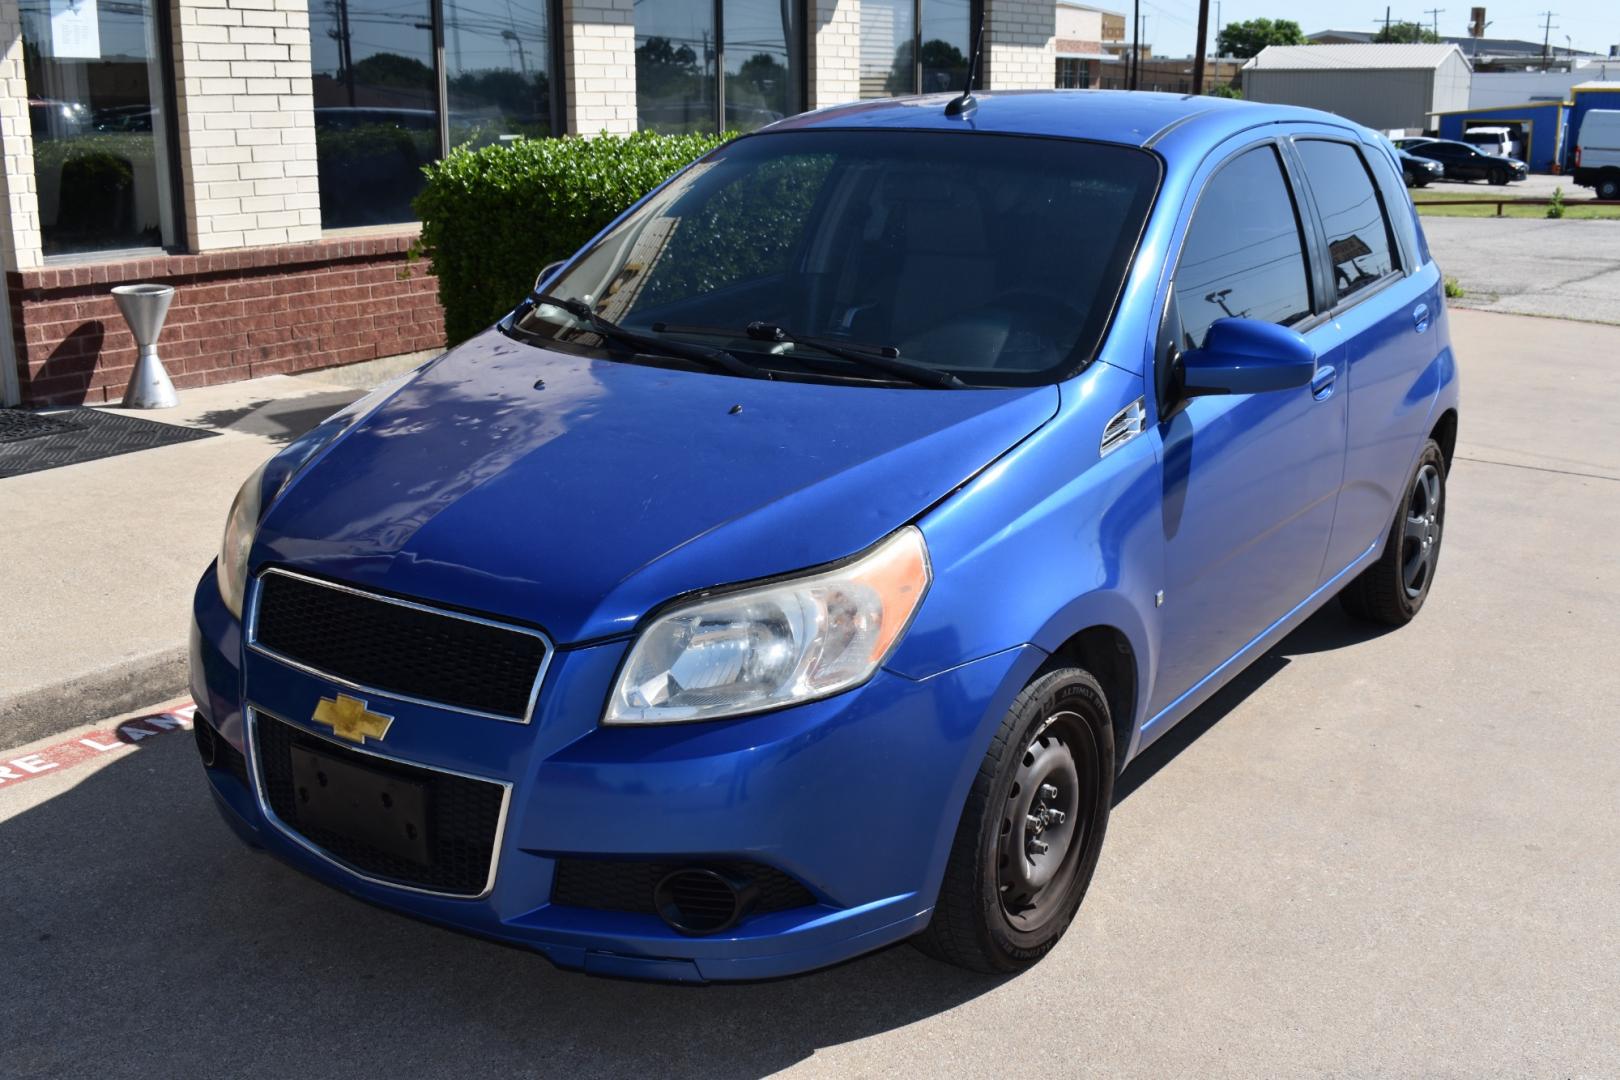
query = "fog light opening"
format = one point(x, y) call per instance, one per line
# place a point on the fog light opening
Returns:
point(700, 901)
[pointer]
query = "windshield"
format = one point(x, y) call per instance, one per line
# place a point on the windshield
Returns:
point(996, 259)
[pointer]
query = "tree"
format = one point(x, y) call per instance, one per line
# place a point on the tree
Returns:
point(1227, 90)
point(1406, 33)
point(1244, 39)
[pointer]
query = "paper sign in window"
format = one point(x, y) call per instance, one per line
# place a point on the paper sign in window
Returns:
point(75, 30)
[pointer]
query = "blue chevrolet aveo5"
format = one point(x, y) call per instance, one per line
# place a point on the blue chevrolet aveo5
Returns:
point(794, 571)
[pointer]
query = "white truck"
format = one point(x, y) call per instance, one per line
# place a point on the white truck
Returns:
point(1497, 141)
point(1597, 153)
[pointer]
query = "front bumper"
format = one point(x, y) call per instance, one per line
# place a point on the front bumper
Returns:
point(856, 797)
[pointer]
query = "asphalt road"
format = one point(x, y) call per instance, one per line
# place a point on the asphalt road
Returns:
point(1373, 855)
point(1525, 266)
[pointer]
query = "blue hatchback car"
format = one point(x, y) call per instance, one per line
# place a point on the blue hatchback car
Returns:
point(796, 570)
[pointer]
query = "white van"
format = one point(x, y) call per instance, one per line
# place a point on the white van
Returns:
point(1497, 141)
point(1597, 153)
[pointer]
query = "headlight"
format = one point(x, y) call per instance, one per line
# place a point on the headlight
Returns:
point(772, 645)
point(240, 526)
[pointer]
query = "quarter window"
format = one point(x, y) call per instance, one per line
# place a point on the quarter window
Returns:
point(1358, 234)
point(1244, 255)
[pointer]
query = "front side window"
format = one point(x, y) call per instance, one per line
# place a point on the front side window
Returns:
point(379, 113)
point(1358, 234)
point(101, 132)
point(914, 46)
point(996, 258)
point(717, 65)
point(1244, 255)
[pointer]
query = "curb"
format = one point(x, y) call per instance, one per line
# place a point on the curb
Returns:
point(91, 697)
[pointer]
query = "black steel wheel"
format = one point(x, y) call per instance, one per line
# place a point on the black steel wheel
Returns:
point(1392, 590)
point(1031, 831)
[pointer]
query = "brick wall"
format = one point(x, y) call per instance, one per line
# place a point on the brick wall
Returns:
point(19, 203)
point(599, 55)
point(237, 314)
point(835, 52)
point(246, 122)
point(1019, 52)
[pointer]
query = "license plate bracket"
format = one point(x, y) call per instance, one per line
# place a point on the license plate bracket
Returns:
point(385, 811)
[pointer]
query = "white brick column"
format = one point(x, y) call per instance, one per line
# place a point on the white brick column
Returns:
point(835, 52)
point(20, 240)
point(246, 123)
point(599, 64)
point(1019, 44)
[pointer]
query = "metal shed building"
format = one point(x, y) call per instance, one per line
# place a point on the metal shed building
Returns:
point(1538, 127)
point(1382, 86)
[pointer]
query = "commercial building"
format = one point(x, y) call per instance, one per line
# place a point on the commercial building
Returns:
point(261, 155)
point(1537, 127)
point(1382, 86)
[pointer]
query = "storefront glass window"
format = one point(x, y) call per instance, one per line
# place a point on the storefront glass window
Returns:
point(376, 107)
point(101, 131)
point(377, 100)
point(914, 46)
point(682, 46)
point(496, 71)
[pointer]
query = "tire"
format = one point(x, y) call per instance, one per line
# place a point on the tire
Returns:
point(1608, 187)
point(1392, 590)
point(1053, 752)
point(1499, 178)
point(1411, 180)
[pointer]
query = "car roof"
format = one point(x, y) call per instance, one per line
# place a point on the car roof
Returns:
point(1131, 118)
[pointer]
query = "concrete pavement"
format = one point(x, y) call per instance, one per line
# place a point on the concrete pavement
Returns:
point(1373, 855)
point(1563, 269)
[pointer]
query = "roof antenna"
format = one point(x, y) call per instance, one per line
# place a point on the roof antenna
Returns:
point(966, 101)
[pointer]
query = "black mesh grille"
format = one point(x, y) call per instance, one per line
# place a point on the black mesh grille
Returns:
point(399, 650)
point(462, 815)
point(608, 885)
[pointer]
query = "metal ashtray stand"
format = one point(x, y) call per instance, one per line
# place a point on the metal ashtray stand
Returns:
point(144, 308)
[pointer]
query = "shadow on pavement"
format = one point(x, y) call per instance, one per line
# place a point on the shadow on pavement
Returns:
point(141, 939)
point(1330, 628)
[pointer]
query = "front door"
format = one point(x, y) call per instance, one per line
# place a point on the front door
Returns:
point(1250, 481)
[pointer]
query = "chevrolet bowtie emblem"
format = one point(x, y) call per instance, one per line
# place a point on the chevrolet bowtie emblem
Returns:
point(349, 719)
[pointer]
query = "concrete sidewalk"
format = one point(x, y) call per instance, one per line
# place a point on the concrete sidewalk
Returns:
point(98, 560)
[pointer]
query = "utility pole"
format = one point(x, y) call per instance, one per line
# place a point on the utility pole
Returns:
point(1386, 22)
point(1435, 14)
point(1546, 35)
point(1217, 27)
point(1136, 42)
point(1203, 40)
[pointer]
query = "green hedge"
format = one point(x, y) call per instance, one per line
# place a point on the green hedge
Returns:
point(492, 217)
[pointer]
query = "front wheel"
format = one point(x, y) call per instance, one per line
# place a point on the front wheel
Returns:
point(1031, 831)
point(1392, 590)
point(1499, 178)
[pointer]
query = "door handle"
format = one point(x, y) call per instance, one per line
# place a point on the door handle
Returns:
point(1323, 381)
point(1420, 317)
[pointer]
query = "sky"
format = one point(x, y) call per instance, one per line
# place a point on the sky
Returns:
point(1592, 25)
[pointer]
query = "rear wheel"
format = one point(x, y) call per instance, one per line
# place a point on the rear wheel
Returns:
point(1608, 187)
point(1392, 590)
point(1031, 831)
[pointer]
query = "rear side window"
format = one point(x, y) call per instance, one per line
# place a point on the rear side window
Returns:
point(1358, 233)
point(1244, 254)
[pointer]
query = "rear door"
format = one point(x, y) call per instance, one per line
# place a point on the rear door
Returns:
point(1386, 302)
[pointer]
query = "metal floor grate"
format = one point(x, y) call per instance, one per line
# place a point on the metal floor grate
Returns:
point(93, 434)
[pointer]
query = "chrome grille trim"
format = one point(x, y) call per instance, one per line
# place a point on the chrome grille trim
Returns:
point(262, 801)
point(250, 623)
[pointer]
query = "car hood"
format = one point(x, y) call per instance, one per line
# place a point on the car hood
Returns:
point(576, 493)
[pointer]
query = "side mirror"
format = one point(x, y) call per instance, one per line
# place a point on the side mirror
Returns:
point(1247, 356)
point(548, 272)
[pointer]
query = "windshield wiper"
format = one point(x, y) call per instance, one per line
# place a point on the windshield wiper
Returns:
point(884, 358)
point(716, 358)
